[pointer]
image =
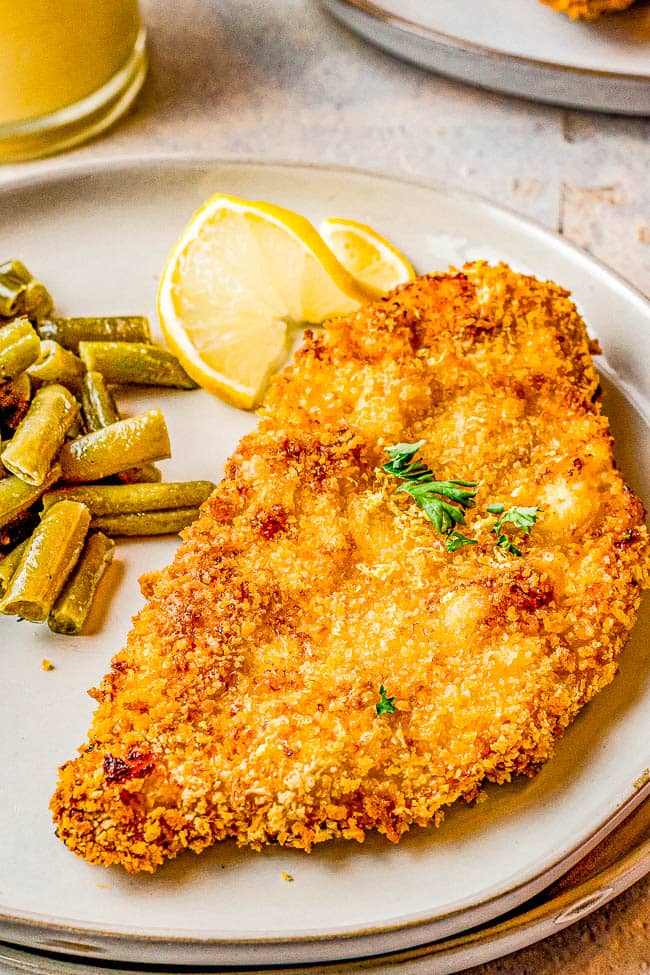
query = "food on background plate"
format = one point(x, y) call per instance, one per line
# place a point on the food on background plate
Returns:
point(60, 423)
point(588, 9)
point(416, 571)
point(244, 273)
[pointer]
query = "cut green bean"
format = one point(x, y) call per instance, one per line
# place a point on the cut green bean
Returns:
point(72, 608)
point(97, 402)
point(127, 443)
point(146, 474)
point(122, 499)
point(76, 428)
point(16, 496)
point(12, 291)
point(69, 332)
point(37, 301)
point(39, 436)
point(19, 347)
point(46, 563)
point(9, 564)
point(126, 363)
point(57, 365)
point(18, 269)
point(21, 293)
point(146, 522)
point(100, 410)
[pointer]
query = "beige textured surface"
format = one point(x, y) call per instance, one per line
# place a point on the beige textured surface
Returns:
point(278, 79)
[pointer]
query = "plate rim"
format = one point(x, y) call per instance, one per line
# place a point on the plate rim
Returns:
point(369, 8)
point(609, 881)
point(70, 170)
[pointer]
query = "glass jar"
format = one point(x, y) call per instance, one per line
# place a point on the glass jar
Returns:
point(68, 70)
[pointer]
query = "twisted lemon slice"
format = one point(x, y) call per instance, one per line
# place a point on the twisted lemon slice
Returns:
point(241, 274)
point(367, 255)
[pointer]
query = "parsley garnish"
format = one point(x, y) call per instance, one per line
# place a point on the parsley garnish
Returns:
point(443, 502)
point(455, 541)
point(385, 704)
point(523, 518)
point(496, 508)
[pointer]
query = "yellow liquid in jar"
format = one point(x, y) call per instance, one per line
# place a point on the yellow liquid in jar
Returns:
point(54, 53)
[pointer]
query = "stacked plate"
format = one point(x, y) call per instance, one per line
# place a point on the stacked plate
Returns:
point(98, 237)
point(516, 46)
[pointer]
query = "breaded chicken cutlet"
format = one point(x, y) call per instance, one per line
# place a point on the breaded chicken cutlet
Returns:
point(588, 9)
point(245, 702)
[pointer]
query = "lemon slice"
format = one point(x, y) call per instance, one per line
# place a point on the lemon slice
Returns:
point(367, 255)
point(241, 273)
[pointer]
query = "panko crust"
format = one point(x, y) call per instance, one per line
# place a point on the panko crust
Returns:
point(243, 704)
point(588, 9)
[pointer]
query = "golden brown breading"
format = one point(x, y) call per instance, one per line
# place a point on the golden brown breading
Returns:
point(588, 9)
point(244, 702)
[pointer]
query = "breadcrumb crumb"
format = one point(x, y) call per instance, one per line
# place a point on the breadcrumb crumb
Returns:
point(46, 664)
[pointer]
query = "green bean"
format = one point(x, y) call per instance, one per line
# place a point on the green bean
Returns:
point(99, 407)
point(39, 436)
point(12, 291)
point(69, 332)
point(100, 410)
point(72, 608)
point(127, 443)
point(146, 474)
point(16, 496)
point(9, 564)
point(21, 293)
point(57, 365)
point(76, 428)
point(146, 522)
point(37, 301)
point(125, 363)
point(46, 563)
point(18, 269)
point(19, 347)
point(122, 499)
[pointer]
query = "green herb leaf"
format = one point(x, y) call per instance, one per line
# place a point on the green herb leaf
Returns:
point(504, 542)
point(455, 541)
point(403, 453)
point(523, 518)
point(385, 704)
point(443, 502)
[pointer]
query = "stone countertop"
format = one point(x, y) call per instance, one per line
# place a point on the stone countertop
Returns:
point(281, 80)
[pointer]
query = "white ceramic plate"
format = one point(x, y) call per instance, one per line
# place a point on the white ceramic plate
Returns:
point(99, 237)
point(517, 46)
point(606, 875)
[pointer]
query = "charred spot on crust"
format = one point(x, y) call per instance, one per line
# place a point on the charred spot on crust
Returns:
point(629, 537)
point(136, 765)
point(272, 522)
